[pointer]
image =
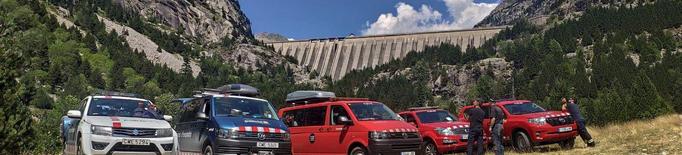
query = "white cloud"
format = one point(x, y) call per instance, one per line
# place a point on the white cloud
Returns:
point(464, 13)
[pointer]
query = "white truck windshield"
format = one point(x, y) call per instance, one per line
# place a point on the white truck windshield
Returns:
point(121, 108)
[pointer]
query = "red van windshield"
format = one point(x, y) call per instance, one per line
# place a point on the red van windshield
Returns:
point(372, 111)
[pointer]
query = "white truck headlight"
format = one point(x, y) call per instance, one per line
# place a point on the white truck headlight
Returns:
point(537, 121)
point(164, 132)
point(100, 130)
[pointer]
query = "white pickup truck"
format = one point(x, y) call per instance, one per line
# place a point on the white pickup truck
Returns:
point(117, 125)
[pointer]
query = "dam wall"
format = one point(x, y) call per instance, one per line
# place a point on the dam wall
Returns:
point(335, 57)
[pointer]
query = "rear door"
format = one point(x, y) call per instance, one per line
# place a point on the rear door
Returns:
point(305, 128)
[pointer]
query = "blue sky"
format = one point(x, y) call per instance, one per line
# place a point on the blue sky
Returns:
point(305, 19)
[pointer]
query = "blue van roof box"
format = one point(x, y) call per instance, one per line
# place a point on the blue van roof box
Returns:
point(239, 89)
point(309, 96)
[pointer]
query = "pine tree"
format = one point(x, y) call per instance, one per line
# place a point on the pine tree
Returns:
point(15, 115)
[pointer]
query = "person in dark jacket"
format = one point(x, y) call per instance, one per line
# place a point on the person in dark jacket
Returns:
point(572, 108)
point(496, 122)
point(475, 116)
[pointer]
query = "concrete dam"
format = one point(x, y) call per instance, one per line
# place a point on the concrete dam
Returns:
point(335, 57)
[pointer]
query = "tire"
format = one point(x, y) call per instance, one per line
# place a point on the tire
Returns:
point(430, 149)
point(522, 142)
point(79, 150)
point(567, 144)
point(358, 150)
point(208, 150)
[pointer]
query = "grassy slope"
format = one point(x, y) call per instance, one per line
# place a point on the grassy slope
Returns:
point(662, 135)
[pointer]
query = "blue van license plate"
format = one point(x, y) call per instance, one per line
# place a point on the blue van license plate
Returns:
point(267, 145)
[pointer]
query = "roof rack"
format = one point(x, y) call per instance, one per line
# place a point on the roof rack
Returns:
point(309, 96)
point(422, 108)
point(100, 92)
point(230, 89)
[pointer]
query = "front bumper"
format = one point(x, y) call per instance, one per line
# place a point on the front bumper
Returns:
point(547, 134)
point(238, 146)
point(394, 146)
point(107, 145)
point(446, 144)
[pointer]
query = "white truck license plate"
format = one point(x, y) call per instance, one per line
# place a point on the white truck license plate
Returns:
point(565, 129)
point(465, 136)
point(267, 145)
point(407, 153)
point(135, 142)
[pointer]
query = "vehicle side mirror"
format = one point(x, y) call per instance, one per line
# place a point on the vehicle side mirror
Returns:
point(202, 115)
point(73, 114)
point(345, 121)
point(168, 118)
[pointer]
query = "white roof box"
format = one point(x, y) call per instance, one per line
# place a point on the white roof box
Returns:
point(308, 95)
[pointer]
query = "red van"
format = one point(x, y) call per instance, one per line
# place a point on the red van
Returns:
point(441, 131)
point(529, 125)
point(321, 123)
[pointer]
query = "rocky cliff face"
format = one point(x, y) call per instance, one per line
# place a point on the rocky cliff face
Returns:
point(540, 11)
point(453, 82)
point(209, 20)
point(537, 11)
point(270, 37)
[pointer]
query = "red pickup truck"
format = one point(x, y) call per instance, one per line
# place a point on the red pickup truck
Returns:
point(528, 125)
point(440, 129)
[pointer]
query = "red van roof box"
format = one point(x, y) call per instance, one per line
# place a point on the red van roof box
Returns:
point(314, 96)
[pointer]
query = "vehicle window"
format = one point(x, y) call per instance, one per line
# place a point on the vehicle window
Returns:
point(121, 107)
point(337, 111)
point(408, 118)
point(523, 108)
point(372, 111)
point(82, 105)
point(305, 117)
point(436, 116)
point(188, 111)
point(244, 107)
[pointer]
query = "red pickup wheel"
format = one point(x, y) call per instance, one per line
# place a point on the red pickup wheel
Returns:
point(522, 142)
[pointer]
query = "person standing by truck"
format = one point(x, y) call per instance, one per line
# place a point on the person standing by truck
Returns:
point(476, 116)
point(496, 122)
point(573, 109)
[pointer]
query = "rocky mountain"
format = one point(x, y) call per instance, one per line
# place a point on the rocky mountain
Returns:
point(270, 37)
point(220, 27)
point(210, 20)
point(453, 82)
point(537, 11)
point(541, 11)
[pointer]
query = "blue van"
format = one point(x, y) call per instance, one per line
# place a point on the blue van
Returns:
point(231, 120)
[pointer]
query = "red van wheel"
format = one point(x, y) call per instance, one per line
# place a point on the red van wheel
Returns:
point(358, 151)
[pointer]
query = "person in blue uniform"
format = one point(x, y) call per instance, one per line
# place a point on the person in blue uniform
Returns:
point(475, 116)
point(572, 108)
